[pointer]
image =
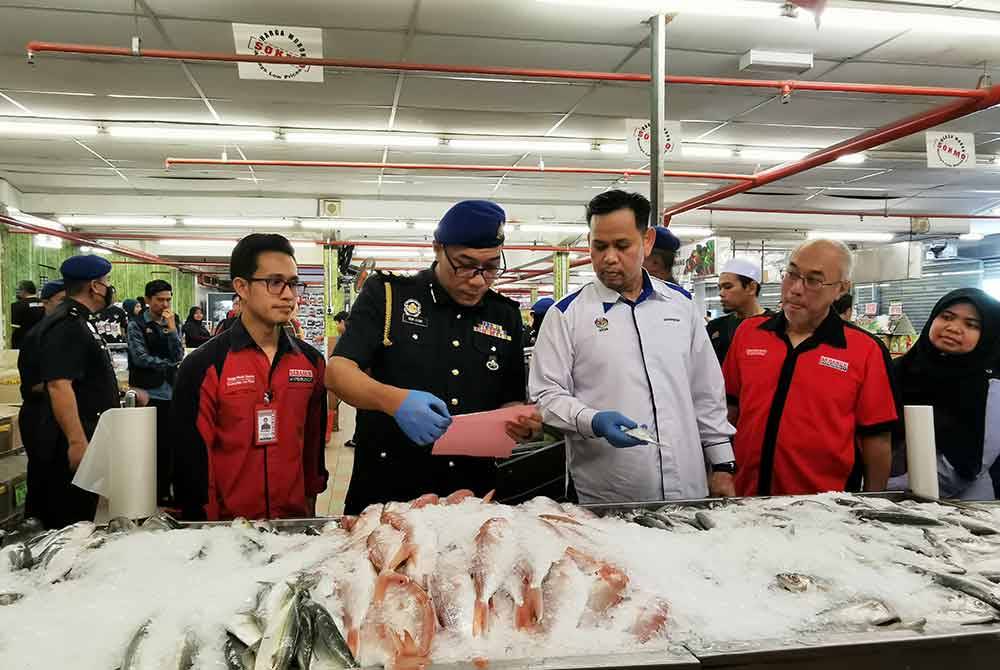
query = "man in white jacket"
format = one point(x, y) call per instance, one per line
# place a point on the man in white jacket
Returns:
point(628, 351)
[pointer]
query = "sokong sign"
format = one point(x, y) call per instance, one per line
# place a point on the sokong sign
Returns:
point(280, 42)
point(951, 150)
point(639, 133)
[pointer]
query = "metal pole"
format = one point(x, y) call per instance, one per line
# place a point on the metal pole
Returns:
point(657, 112)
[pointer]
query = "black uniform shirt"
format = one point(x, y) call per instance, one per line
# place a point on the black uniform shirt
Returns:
point(721, 331)
point(66, 345)
point(470, 357)
point(112, 324)
point(24, 314)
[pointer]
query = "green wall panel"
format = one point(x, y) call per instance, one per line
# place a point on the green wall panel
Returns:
point(23, 259)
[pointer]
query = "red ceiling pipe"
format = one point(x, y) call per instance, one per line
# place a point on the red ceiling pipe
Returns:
point(72, 237)
point(35, 47)
point(446, 167)
point(428, 245)
point(883, 215)
point(538, 273)
point(872, 138)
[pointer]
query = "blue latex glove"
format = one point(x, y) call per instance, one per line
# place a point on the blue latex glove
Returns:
point(423, 417)
point(612, 426)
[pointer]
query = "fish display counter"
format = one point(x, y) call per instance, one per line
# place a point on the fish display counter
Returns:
point(807, 581)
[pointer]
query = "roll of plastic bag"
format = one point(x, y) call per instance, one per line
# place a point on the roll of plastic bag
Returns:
point(120, 463)
point(921, 450)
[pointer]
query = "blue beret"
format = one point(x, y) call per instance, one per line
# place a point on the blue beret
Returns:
point(666, 240)
point(82, 268)
point(472, 223)
point(542, 306)
point(52, 287)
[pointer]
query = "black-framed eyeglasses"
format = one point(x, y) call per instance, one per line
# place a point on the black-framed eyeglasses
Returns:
point(489, 272)
point(811, 283)
point(277, 286)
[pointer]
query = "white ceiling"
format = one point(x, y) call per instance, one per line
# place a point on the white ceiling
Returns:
point(514, 33)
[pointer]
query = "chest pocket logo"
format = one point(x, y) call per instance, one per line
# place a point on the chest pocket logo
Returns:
point(834, 364)
point(300, 376)
point(601, 323)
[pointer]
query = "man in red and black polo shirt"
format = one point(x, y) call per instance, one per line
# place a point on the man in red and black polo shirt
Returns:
point(249, 412)
point(803, 383)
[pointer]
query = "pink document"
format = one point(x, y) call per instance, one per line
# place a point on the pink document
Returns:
point(481, 434)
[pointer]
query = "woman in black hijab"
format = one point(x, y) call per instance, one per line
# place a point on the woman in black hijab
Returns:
point(950, 368)
point(195, 332)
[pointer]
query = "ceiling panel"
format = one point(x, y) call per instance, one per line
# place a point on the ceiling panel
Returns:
point(384, 14)
point(514, 53)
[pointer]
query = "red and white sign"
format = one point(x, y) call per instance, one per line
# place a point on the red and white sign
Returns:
point(871, 309)
point(639, 133)
point(895, 309)
point(951, 150)
point(279, 42)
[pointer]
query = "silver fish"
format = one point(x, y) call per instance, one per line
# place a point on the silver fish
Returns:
point(131, 659)
point(15, 557)
point(865, 613)
point(236, 653)
point(900, 517)
point(705, 521)
point(277, 646)
point(160, 521)
point(796, 582)
point(307, 631)
point(970, 524)
point(246, 628)
point(9, 598)
point(980, 591)
point(121, 524)
point(650, 521)
point(186, 652)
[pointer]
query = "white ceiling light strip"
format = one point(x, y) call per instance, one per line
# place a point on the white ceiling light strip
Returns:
point(849, 236)
point(48, 129)
point(249, 222)
point(521, 146)
point(215, 135)
point(83, 220)
point(361, 139)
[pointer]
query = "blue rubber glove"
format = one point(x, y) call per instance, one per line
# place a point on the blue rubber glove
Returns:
point(612, 426)
point(423, 417)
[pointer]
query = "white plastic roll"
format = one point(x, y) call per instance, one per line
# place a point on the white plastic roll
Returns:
point(120, 463)
point(921, 450)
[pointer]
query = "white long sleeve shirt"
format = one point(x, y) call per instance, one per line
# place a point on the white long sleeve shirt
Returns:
point(653, 362)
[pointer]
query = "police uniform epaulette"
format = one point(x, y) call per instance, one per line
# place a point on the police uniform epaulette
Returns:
point(387, 276)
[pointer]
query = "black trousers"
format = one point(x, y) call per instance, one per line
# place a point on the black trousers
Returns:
point(52, 498)
point(164, 451)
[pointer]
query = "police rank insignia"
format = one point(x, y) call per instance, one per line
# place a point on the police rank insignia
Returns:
point(601, 323)
point(492, 364)
point(413, 313)
point(492, 329)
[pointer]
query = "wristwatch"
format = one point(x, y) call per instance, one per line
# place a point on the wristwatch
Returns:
point(728, 467)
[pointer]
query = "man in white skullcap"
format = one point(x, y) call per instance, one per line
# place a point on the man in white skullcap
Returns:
point(739, 287)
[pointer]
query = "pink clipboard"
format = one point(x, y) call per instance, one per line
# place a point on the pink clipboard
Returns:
point(481, 434)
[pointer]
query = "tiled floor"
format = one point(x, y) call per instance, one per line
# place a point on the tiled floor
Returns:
point(339, 463)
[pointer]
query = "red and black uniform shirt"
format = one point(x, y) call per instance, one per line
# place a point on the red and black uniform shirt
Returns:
point(800, 408)
point(220, 472)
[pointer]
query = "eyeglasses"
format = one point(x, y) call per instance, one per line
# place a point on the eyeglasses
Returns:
point(277, 286)
point(790, 276)
point(489, 273)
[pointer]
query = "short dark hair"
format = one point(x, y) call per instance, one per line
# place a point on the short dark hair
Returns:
point(745, 281)
point(612, 201)
point(341, 316)
point(27, 286)
point(843, 303)
point(157, 286)
point(75, 287)
point(243, 261)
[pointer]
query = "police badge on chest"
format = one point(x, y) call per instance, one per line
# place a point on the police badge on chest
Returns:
point(413, 313)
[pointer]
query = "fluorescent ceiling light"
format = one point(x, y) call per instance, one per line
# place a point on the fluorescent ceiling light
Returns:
point(351, 224)
point(379, 252)
point(60, 129)
point(18, 215)
point(213, 135)
point(833, 17)
point(847, 236)
point(852, 159)
point(48, 241)
point(424, 225)
point(521, 146)
point(195, 243)
point(690, 231)
point(95, 250)
point(208, 222)
point(87, 220)
point(971, 237)
point(702, 151)
point(613, 148)
point(771, 155)
point(361, 139)
point(564, 228)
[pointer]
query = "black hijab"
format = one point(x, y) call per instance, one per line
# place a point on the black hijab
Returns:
point(956, 385)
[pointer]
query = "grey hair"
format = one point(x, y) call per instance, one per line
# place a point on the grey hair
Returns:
point(847, 256)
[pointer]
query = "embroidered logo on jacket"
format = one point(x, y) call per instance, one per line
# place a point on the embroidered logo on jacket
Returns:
point(300, 376)
point(241, 380)
point(833, 363)
point(601, 323)
point(753, 353)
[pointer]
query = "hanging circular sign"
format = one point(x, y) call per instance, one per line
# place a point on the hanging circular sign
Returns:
point(951, 150)
point(279, 43)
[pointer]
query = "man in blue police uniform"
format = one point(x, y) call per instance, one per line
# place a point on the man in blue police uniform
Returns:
point(437, 343)
point(538, 311)
point(660, 261)
point(52, 295)
point(67, 381)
